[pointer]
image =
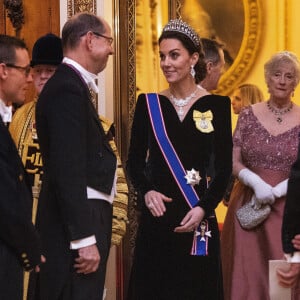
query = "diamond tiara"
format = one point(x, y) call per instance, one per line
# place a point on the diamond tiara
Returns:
point(180, 26)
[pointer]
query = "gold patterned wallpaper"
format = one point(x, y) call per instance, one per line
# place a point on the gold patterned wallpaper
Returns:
point(75, 6)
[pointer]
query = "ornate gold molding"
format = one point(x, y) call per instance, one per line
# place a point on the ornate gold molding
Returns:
point(249, 45)
point(174, 9)
point(124, 105)
point(14, 10)
point(131, 59)
point(130, 101)
point(248, 51)
point(76, 6)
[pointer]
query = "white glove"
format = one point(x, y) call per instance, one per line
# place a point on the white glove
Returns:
point(280, 189)
point(262, 190)
point(254, 203)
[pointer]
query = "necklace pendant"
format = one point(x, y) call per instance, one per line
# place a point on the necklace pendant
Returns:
point(180, 113)
point(279, 120)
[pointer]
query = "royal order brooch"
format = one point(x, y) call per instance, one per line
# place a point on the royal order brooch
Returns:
point(203, 121)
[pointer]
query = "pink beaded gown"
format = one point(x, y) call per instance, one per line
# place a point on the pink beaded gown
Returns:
point(245, 253)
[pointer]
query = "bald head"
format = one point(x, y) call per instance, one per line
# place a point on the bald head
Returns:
point(87, 39)
point(78, 26)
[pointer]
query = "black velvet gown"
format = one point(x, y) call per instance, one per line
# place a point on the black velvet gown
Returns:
point(162, 265)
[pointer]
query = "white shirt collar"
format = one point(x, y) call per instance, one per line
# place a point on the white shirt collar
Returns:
point(87, 76)
point(5, 112)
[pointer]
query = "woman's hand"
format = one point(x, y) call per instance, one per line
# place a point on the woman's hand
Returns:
point(155, 202)
point(289, 278)
point(296, 241)
point(191, 220)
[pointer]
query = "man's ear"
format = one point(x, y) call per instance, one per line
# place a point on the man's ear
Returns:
point(209, 66)
point(3, 70)
point(87, 40)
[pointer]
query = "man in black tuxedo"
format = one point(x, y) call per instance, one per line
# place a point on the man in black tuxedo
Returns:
point(19, 242)
point(291, 227)
point(75, 212)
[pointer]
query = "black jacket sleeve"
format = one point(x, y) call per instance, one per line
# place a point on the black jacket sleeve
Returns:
point(16, 228)
point(222, 153)
point(291, 217)
point(136, 163)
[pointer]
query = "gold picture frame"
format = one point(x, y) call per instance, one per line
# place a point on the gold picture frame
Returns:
point(249, 44)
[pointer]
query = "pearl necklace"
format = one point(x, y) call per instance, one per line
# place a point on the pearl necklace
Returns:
point(181, 103)
point(279, 112)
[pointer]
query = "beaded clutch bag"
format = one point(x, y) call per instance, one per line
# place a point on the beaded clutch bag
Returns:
point(250, 217)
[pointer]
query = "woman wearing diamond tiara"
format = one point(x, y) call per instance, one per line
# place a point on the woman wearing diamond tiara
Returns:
point(173, 135)
point(265, 147)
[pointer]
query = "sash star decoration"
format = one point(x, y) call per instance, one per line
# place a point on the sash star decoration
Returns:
point(192, 177)
point(203, 121)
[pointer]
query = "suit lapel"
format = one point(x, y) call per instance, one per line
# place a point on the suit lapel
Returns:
point(94, 113)
point(96, 118)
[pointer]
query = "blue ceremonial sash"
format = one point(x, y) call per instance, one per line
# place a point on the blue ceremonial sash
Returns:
point(200, 237)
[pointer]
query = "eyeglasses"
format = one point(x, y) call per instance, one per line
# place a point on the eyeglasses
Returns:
point(108, 38)
point(26, 69)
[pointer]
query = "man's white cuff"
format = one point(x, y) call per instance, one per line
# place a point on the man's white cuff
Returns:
point(77, 244)
point(293, 259)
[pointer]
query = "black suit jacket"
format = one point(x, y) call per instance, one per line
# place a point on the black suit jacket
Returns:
point(17, 233)
point(291, 218)
point(76, 154)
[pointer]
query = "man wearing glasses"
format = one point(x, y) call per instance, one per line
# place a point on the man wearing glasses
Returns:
point(19, 243)
point(75, 205)
point(46, 56)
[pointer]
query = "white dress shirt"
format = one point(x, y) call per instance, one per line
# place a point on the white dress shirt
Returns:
point(295, 258)
point(5, 112)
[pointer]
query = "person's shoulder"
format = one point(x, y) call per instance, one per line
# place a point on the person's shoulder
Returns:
point(63, 74)
point(217, 102)
point(248, 112)
point(251, 109)
point(26, 106)
point(143, 97)
point(23, 111)
point(215, 99)
point(296, 107)
point(258, 105)
point(219, 98)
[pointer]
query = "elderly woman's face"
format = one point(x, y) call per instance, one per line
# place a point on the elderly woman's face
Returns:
point(282, 81)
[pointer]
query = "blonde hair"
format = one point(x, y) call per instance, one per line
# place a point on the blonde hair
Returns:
point(250, 94)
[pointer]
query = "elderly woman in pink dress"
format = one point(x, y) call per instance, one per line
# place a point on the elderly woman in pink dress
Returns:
point(265, 147)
